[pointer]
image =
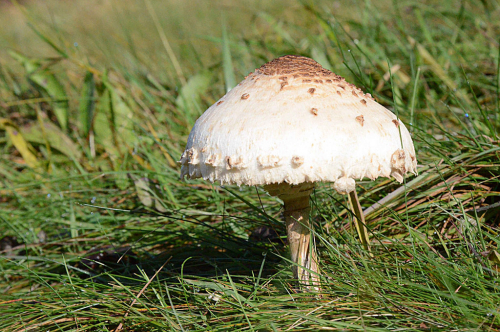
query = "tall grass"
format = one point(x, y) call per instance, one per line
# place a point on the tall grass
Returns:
point(99, 234)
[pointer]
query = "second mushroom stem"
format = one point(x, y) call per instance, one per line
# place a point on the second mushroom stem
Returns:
point(359, 220)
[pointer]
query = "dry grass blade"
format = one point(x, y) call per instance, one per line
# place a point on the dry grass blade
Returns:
point(120, 326)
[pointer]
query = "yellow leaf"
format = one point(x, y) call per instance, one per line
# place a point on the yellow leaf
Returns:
point(19, 142)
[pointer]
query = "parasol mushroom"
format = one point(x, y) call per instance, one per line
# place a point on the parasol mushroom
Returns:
point(292, 123)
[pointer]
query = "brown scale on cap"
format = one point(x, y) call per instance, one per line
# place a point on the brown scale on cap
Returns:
point(192, 156)
point(220, 102)
point(297, 161)
point(213, 160)
point(398, 164)
point(360, 119)
point(311, 91)
point(245, 96)
point(356, 91)
point(363, 102)
point(314, 111)
point(234, 162)
point(396, 123)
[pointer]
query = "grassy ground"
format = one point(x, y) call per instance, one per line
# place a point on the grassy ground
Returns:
point(97, 232)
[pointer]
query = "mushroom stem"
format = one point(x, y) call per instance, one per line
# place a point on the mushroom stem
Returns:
point(303, 253)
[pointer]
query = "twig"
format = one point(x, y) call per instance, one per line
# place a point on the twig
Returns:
point(491, 206)
point(384, 200)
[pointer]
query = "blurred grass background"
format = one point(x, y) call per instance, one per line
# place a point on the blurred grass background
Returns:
point(97, 99)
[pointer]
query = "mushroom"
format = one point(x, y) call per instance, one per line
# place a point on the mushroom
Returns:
point(292, 123)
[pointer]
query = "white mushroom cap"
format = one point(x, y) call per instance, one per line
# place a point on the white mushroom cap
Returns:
point(294, 121)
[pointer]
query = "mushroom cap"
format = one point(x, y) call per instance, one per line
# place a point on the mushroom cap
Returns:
point(293, 121)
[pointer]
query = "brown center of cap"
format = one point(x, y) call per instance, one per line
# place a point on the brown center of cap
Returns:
point(295, 65)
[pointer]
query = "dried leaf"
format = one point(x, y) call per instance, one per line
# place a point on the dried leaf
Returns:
point(147, 194)
point(143, 191)
point(494, 257)
point(54, 136)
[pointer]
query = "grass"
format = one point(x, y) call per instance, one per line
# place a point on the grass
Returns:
point(98, 232)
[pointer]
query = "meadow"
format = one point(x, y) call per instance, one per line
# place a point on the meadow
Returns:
point(99, 233)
